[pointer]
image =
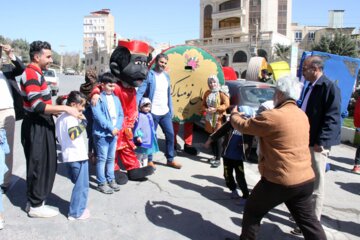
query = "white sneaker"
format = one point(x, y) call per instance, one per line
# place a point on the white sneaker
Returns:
point(85, 215)
point(42, 212)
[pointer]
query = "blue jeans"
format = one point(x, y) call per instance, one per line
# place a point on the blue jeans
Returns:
point(79, 175)
point(105, 153)
point(165, 122)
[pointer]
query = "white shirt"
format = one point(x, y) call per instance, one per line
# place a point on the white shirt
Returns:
point(111, 108)
point(7, 100)
point(71, 150)
point(159, 105)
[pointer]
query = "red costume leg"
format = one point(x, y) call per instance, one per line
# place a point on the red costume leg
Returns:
point(188, 133)
point(128, 158)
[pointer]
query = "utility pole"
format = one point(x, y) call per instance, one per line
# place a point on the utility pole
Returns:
point(61, 57)
point(256, 36)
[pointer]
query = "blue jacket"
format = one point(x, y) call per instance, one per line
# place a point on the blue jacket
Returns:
point(147, 89)
point(102, 124)
point(324, 112)
point(233, 143)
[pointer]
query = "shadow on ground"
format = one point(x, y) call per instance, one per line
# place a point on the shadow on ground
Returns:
point(184, 221)
point(17, 197)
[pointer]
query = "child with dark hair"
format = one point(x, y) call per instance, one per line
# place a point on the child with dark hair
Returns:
point(233, 155)
point(69, 132)
point(108, 118)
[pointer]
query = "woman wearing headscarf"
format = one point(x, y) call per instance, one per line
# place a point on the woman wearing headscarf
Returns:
point(215, 102)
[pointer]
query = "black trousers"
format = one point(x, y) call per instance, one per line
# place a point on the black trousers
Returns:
point(38, 140)
point(357, 156)
point(216, 147)
point(267, 195)
point(229, 167)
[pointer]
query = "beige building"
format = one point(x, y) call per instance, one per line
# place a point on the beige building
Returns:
point(304, 35)
point(235, 30)
point(99, 25)
point(98, 59)
point(307, 36)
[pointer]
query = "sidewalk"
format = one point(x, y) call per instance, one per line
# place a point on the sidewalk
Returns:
point(191, 203)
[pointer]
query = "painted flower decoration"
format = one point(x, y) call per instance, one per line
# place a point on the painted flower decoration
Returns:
point(191, 61)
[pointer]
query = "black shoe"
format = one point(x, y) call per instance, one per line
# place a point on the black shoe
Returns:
point(190, 150)
point(140, 173)
point(211, 160)
point(296, 231)
point(177, 147)
point(3, 189)
point(120, 177)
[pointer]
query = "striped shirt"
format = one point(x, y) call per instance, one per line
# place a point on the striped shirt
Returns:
point(34, 89)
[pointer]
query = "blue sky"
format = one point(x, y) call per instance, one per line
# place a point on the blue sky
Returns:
point(173, 21)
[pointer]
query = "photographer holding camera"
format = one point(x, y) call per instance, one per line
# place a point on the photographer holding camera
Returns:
point(284, 162)
point(11, 103)
point(10, 109)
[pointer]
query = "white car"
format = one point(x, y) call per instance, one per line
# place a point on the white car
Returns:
point(52, 80)
point(69, 71)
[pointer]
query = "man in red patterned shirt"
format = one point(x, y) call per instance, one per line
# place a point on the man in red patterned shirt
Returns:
point(38, 131)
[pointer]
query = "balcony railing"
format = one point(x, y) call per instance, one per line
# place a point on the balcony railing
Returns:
point(235, 39)
point(234, 12)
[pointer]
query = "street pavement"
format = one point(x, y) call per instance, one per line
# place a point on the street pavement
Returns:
point(191, 203)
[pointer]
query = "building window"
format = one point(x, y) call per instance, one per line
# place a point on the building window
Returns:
point(207, 21)
point(229, 23)
point(311, 35)
point(233, 4)
point(298, 36)
point(254, 17)
point(255, 3)
point(282, 17)
point(102, 60)
point(91, 61)
point(87, 62)
point(240, 56)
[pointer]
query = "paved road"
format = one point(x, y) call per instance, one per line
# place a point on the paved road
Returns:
point(191, 203)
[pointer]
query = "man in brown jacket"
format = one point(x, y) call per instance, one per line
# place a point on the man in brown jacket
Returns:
point(284, 162)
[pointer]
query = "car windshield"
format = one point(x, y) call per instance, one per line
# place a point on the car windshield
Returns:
point(49, 73)
point(256, 95)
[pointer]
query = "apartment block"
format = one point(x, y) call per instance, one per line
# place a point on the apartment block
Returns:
point(236, 30)
point(99, 26)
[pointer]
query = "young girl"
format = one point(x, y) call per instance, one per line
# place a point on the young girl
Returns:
point(69, 132)
point(144, 133)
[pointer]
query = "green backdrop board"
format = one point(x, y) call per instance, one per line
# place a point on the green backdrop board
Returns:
point(189, 68)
